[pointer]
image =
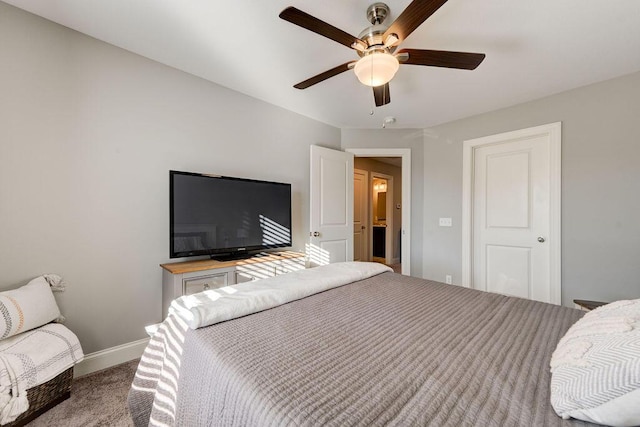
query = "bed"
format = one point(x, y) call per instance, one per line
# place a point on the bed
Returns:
point(384, 350)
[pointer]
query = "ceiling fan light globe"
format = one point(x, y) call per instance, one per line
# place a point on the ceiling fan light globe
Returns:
point(376, 69)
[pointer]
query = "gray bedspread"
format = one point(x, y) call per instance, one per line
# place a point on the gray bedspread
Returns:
point(389, 350)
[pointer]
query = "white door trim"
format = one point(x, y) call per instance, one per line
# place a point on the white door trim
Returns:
point(365, 241)
point(405, 154)
point(553, 131)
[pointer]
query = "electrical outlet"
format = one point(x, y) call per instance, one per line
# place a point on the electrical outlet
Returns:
point(447, 279)
point(445, 222)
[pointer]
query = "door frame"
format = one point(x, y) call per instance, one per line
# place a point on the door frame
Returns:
point(405, 154)
point(366, 244)
point(553, 131)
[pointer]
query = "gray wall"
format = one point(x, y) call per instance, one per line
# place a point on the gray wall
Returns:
point(88, 133)
point(600, 186)
point(399, 138)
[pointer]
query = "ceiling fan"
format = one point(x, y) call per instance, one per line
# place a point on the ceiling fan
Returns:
point(376, 46)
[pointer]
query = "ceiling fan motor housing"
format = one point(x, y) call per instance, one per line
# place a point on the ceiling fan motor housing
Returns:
point(377, 13)
point(373, 36)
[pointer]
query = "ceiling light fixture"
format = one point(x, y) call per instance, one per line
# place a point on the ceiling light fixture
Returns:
point(380, 186)
point(376, 68)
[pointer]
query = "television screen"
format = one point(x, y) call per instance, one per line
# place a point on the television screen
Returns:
point(215, 215)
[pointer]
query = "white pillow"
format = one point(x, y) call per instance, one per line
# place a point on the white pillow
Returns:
point(595, 369)
point(27, 307)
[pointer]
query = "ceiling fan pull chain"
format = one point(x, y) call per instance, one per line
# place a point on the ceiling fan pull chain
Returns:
point(384, 96)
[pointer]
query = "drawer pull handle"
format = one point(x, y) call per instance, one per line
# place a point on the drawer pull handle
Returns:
point(206, 286)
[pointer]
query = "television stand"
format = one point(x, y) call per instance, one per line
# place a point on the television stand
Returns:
point(189, 277)
point(232, 256)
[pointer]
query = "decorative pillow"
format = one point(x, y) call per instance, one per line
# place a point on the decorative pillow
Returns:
point(56, 282)
point(595, 369)
point(26, 308)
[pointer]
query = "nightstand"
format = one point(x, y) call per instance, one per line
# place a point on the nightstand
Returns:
point(588, 305)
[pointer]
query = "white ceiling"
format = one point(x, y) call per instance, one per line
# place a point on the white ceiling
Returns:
point(533, 48)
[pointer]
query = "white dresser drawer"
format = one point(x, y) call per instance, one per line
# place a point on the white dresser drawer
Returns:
point(190, 277)
point(243, 277)
point(202, 283)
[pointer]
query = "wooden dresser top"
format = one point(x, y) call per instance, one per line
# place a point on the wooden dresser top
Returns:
point(208, 264)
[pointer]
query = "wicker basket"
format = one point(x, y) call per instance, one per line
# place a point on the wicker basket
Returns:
point(45, 396)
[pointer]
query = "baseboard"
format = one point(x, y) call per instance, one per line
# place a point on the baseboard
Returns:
point(109, 357)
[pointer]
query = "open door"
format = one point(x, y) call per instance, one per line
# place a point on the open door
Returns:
point(331, 207)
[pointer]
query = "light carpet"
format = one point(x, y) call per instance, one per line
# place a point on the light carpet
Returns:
point(97, 399)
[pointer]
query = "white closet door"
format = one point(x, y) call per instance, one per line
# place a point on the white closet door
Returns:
point(511, 218)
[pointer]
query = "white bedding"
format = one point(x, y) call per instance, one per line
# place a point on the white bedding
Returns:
point(221, 304)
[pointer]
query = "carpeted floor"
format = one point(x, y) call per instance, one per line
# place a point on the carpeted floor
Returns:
point(98, 399)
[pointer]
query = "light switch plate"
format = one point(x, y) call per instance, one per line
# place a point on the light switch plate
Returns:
point(445, 222)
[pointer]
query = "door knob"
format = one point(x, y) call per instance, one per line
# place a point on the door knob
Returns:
point(362, 227)
point(316, 234)
point(541, 239)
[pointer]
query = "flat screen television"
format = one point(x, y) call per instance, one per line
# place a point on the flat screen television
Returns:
point(226, 217)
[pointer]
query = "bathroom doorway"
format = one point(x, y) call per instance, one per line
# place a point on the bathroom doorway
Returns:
point(402, 208)
point(382, 238)
point(378, 210)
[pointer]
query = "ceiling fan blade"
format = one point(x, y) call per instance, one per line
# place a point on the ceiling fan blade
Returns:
point(311, 23)
point(381, 95)
point(324, 76)
point(415, 14)
point(441, 58)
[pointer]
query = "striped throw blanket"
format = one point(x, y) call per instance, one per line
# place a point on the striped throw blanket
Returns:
point(30, 359)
